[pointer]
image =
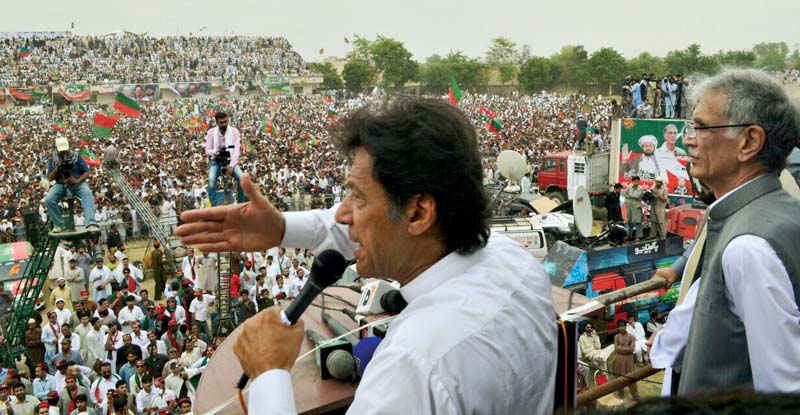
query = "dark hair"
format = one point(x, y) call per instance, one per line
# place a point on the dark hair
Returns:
point(66, 325)
point(147, 378)
point(618, 185)
point(18, 385)
point(425, 146)
point(120, 382)
point(144, 290)
point(220, 115)
point(120, 403)
point(81, 397)
point(621, 323)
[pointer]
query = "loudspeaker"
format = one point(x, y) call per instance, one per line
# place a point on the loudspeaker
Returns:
point(32, 225)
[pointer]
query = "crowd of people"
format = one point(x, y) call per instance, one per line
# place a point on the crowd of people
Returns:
point(115, 59)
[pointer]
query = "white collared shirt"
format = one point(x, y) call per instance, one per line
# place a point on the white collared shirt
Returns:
point(765, 304)
point(478, 335)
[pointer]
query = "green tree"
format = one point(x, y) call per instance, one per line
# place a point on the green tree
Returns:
point(388, 56)
point(435, 74)
point(771, 55)
point(358, 74)
point(330, 78)
point(535, 74)
point(393, 59)
point(606, 66)
point(689, 61)
point(568, 65)
point(646, 63)
point(504, 56)
point(737, 58)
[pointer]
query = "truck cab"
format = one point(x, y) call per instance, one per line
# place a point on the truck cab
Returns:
point(561, 173)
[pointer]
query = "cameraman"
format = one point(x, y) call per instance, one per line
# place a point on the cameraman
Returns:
point(223, 146)
point(70, 173)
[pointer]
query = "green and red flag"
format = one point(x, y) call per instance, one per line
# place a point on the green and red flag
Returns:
point(3, 133)
point(266, 125)
point(586, 108)
point(60, 125)
point(103, 125)
point(24, 52)
point(332, 113)
point(454, 93)
point(312, 140)
point(19, 95)
point(80, 109)
point(247, 146)
point(127, 106)
point(77, 92)
point(90, 158)
point(490, 118)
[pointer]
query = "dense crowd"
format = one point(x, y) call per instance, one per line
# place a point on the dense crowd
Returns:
point(135, 59)
point(125, 339)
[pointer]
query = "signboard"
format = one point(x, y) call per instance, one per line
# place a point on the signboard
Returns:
point(191, 89)
point(654, 148)
point(140, 92)
point(277, 85)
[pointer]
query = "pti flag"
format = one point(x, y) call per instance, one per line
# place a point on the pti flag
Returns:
point(127, 106)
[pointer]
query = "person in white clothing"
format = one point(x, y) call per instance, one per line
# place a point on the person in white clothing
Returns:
point(191, 268)
point(199, 310)
point(105, 382)
point(298, 283)
point(635, 329)
point(100, 279)
point(95, 352)
point(147, 400)
point(480, 318)
point(129, 314)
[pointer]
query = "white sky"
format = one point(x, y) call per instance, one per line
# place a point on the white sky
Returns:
point(435, 26)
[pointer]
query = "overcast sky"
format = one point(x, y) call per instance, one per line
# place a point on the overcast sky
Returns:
point(435, 26)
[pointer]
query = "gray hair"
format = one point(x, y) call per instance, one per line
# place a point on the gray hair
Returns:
point(755, 97)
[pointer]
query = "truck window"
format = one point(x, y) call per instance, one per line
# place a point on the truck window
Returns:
point(549, 165)
point(562, 165)
point(580, 167)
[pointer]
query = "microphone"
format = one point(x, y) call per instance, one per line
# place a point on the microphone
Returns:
point(393, 302)
point(363, 352)
point(334, 357)
point(327, 269)
point(338, 329)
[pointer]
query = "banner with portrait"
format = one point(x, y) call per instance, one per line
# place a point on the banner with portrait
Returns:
point(140, 92)
point(654, 148)
point(277, 84)
point(191, 89)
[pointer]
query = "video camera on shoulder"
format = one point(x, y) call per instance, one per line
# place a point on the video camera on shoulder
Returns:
point(66, 163)
point(223, 157)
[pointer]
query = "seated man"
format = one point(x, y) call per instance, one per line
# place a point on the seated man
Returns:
point(70, 172)
point(591, 350)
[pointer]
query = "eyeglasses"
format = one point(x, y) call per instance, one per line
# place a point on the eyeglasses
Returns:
point(140, 366)
point(689, 129)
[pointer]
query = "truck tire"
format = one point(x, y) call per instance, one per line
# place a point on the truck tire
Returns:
point(557, 196)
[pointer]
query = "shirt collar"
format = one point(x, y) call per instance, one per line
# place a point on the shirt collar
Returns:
point(716, 202)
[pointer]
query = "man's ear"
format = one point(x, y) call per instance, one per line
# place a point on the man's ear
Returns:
point(420, 214)
point(754, 140)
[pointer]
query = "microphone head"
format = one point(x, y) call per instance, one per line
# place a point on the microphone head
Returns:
point(340, 364)
point(363, 352)
point(328, 267)
point(393, 302)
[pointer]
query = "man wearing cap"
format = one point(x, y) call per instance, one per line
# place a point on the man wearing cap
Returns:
point(633, 207)
point(50, 332)
point(190, 268)
point(173, 337)
point(658, 210)
point(198, 309)
point(61, 291)
point(63, 314)
point(100, 278)
point(70, 172)
point(44, 382)
point(645, 165)
point(158, 269)
point(82, 330)
point(44, 408)
point(76, 280)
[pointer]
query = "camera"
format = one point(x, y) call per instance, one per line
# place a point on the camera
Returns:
point(65, 164)
point(223, 157)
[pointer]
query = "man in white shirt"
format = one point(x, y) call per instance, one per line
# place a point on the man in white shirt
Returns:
point(733, 330)
point(191, 268)
point(139, 337)
point(297, 283)
point(130, 313)
point(446, 352)
point(635, 329)
point(147, 399)
point(100, 278)
point(95, 350)
point(199, 310)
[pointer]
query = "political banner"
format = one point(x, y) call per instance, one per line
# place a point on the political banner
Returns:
point(651, 149)
point(276, 84)
point(76, 92)
point(191, 89)
point(140, 92)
